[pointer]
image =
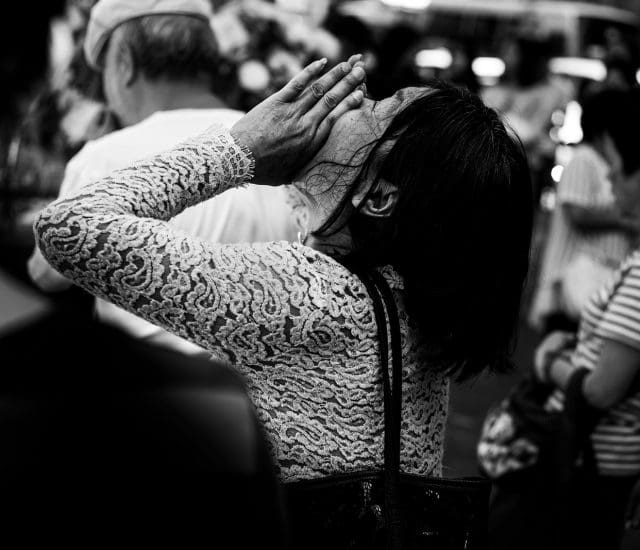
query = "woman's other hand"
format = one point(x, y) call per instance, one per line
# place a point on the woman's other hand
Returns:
point(549, 349)
point(288, 128)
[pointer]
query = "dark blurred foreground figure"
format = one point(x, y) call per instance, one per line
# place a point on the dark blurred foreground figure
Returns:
point(117, 438)
point(111, 440)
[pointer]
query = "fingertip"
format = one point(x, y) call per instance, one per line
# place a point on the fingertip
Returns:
point(357, 96)
point(317, 65)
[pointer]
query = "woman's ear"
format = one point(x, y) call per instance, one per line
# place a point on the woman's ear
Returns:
point(380, 202)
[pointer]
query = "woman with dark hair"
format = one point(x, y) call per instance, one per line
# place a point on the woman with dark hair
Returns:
point(427, 187)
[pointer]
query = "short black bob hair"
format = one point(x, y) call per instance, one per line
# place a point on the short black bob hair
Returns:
point(460, 233)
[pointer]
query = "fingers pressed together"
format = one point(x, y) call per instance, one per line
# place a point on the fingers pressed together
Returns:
point(332, 94)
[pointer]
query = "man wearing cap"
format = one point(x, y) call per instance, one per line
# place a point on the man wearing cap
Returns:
point(156, 58)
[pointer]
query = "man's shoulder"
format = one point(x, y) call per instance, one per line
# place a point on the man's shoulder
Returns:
point(152, 135)
point(187, 121)
point(109, 143)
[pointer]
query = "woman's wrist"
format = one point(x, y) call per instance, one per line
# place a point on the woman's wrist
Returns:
point(246, 150)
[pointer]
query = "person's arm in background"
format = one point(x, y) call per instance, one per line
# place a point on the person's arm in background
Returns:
point(606, 385)
point(600, 219)
point(578, 190)
point(619, 361)
point(610, 381)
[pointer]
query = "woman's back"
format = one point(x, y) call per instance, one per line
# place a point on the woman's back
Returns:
point(320, 395)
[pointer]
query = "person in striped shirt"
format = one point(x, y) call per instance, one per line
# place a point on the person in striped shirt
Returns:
point(589, 235)
point(608, 345)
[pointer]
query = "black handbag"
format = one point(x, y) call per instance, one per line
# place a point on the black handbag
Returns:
point(388, 509)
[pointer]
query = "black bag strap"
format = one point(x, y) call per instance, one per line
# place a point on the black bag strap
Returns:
point(382, 298)
point(396, 357)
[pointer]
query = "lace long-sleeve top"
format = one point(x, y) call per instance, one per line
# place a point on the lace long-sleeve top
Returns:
point(296, 323)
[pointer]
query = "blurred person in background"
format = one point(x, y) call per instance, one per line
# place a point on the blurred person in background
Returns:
point(527, 96)
point(608, 346)
point(620, 74)
point(620, 61)
point(156, 61)
point(589, 234)
point(264, 44)
point(122, 440)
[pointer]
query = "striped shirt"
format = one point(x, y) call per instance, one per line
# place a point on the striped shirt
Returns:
point(613, 313)
point(584, 183)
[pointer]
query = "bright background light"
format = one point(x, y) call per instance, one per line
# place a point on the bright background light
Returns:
point(439, 58)
point(556, 173)
point(488, 67)
point(582, 67)
point(571, 130)
point(408, 4)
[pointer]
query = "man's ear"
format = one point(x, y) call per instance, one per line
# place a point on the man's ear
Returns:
point(127, 66)
point(380, 202)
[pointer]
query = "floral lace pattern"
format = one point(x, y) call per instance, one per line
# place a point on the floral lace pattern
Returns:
point(296, 323)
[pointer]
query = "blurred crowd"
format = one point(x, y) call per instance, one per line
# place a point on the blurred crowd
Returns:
point(261, 44)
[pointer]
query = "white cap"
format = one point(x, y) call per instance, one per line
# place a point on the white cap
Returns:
point(107, 15)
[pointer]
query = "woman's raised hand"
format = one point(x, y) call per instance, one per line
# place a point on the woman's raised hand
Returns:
point(289, 127)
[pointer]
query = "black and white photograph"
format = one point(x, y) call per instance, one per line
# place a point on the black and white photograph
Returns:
point(320, 274)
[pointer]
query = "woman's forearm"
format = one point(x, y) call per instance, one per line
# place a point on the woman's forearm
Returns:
point(609, 382)
point(160, 187)
point(613, 376)
point(590, 219)
point(106, 241)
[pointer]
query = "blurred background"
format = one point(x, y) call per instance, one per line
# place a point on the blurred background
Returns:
point(533, 60)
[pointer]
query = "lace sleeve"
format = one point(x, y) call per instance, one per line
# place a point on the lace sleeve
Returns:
point(238, 301)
